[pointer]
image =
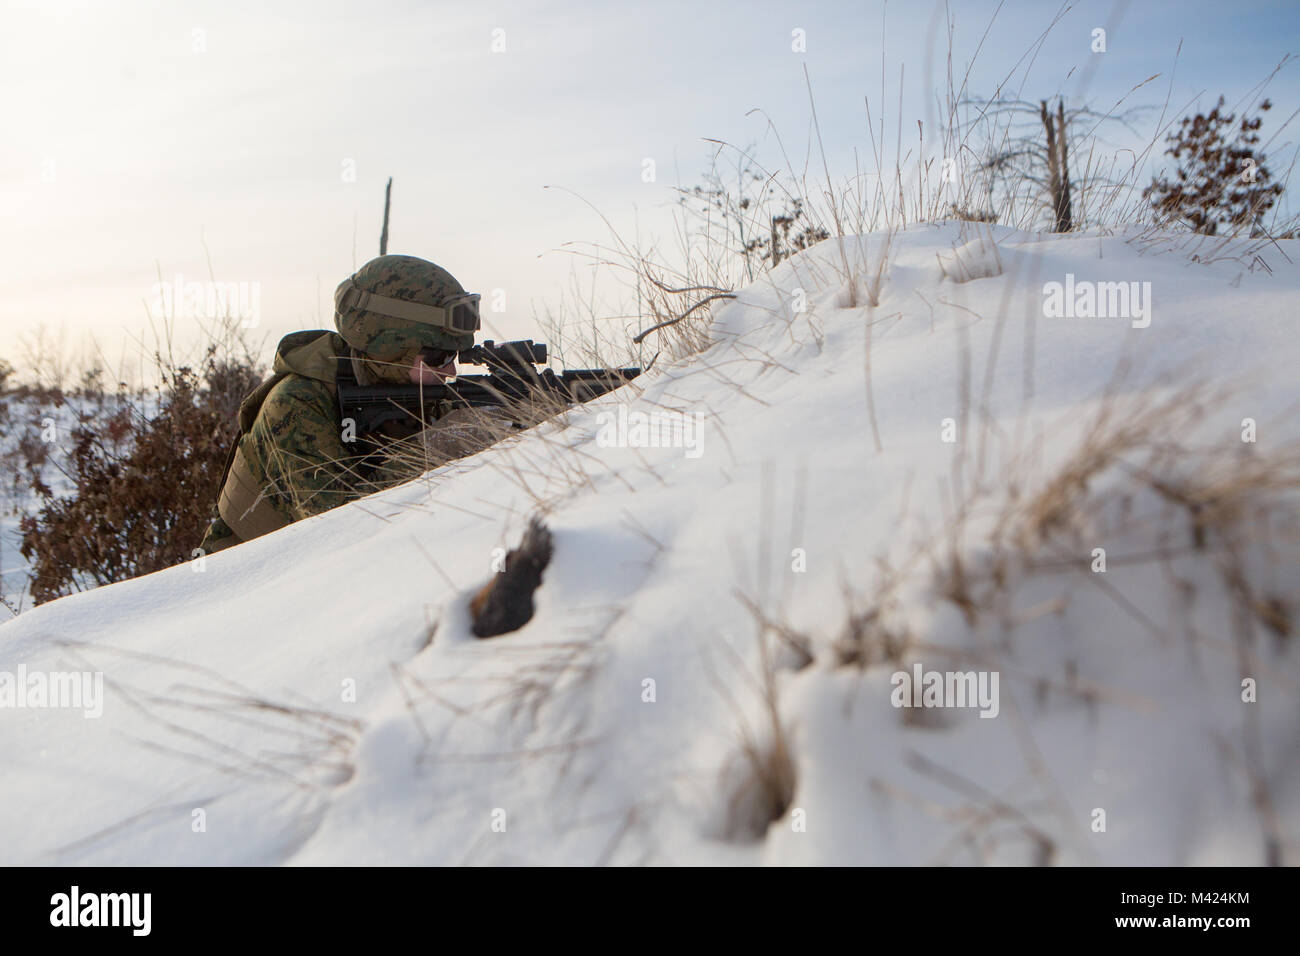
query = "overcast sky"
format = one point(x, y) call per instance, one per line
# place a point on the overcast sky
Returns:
point(135, 134)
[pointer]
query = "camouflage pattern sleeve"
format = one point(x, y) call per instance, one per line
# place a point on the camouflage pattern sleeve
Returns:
point(296, 445)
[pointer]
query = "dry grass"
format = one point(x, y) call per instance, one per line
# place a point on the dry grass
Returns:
point(1132, 472)
point(298, 745)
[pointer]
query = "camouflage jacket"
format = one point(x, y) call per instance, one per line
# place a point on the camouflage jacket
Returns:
point(290, 461)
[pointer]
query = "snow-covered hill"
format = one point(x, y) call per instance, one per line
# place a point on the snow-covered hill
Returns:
point(720, 639)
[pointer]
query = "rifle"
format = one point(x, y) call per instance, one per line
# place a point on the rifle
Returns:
point(512, 382)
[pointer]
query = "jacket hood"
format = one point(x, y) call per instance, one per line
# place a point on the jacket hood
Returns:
point(313, 354)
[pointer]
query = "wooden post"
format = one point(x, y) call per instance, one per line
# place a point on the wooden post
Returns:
point(383, 236)
point(1066, 214)
point(1058, 171)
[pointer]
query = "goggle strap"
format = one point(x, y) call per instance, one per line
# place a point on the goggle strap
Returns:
point(350, 297)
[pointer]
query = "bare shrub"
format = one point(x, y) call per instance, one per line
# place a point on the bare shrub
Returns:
point(142, 484)
point(1220, 178)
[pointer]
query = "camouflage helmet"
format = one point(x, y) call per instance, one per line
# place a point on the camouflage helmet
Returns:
point(393, 306)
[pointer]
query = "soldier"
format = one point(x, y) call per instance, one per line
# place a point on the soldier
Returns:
point(400, 320)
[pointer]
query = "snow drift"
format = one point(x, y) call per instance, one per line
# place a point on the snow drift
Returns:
point(743, 589)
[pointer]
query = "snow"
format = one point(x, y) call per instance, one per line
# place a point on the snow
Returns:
point(977, 259)
point(315, 696)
